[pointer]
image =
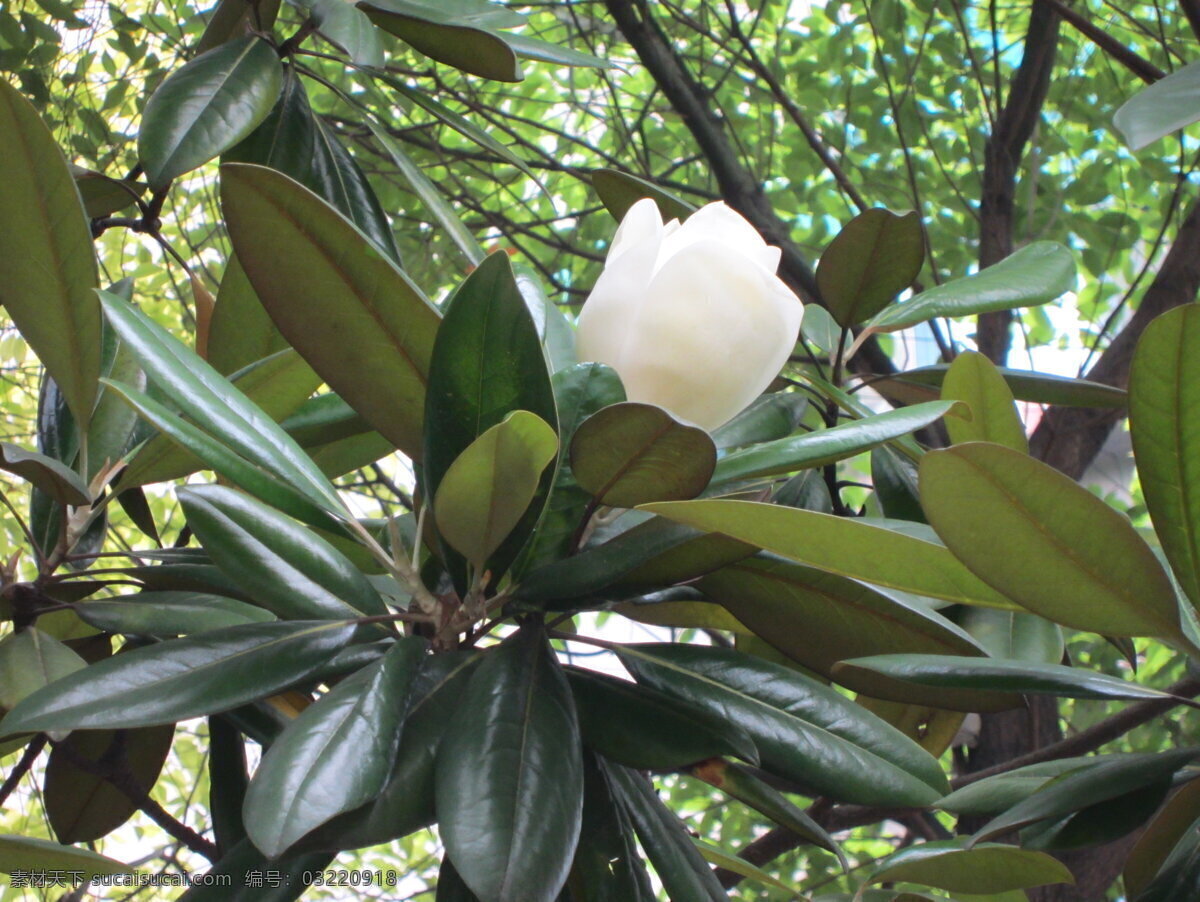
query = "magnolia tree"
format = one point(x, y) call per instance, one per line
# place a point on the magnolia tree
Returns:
point(683, 455)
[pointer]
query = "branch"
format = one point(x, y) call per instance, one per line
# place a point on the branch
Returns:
point(780, 840)
point(1069, 438)
point(1142, 68)
point(1014, 126)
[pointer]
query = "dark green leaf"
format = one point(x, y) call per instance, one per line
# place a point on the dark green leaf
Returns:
point(510, 775)
point(682, 869)
point(642, 728)
point(336, 755)
point(328, 290)
point(619, 191)
point(1035, 274)
point(804, 731)
point(1172, 823)
point(438, 35)
point(982, 869)
point(83, 806)
point(788, 604)
point(1107, 778)
point(286, 568)
point(170, 613)
point(608, 866)
point(171, 681)
point(998, 793)
point(826, 446)
point(957, 672)
point(350, 29)
point(768, 418)
point(631, 453)
point(29, 660)
point(49, 265)
point(875, 256)
point(55, 479)
point(216, 405)
point(208, 106)
point(894, 477)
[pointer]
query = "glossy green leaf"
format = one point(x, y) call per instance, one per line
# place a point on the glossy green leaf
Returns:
point(490, 485)
point(579, 391)
point(875, 256)
point(1035, 274)
point(26, 853)
point(804, 731)
point(1180, 874)
point(685, 875)
point(957, 672)
point(768, 418)
point(487, 362)
point(632, 453)
point(787, 604)
point(207, 106)
point(1158, 109)
point(406, 803)
point(600, 566)
point(217, 406)
point(228, 776)
point(1083, 564)
point(450, 885)
point(826, 446)
point(286, 139)
point(336, 755)
point(29, 660)
point(438, 35)
point(608, 866)
point(510, 776)
point(82, 806)
point(429, 194)
point(739, 783)
point(224, 460)
point(57, 480)
point(49, 264)
point(1108, 778)
point(336, 177)
point(1171, 824)
point(984, 868)
point(1000, 792)
point(1164, 422)
point(839, 545)
point(721, 858)
point(990, 415)
point(547, 52)
point(894, 477)
point(619, 191)
point(644, 729)
point(277, 386)
point(284, 567)
point(183, 678)
point(168, 613)
point(1041, 388)
point(1014, 634)
point(233, 18)
point(328, 290)
point(1100, 823)
point(103, 196)
point(350, 29)
point(240, 332)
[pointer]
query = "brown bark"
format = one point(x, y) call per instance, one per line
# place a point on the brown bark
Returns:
point(1002, 159)
point(1069, 438)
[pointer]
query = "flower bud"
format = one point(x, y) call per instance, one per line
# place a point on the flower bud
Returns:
point(692, 317)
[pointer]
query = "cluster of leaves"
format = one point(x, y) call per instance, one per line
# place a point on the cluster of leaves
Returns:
point(405, 671)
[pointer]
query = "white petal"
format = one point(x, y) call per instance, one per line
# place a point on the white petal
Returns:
point(712, 333)
point(724, 224)
point(641, 225)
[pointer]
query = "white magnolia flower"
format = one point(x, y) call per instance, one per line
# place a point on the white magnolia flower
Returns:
point(692, 317)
